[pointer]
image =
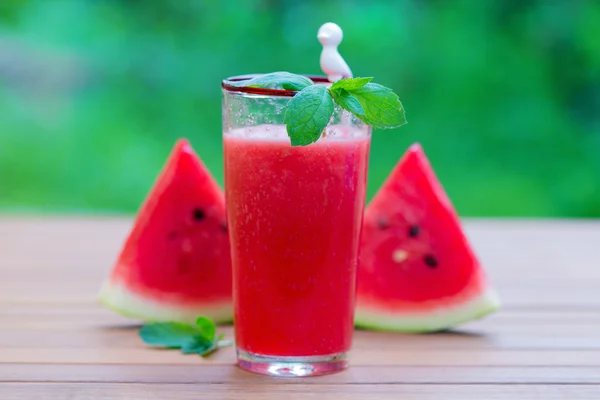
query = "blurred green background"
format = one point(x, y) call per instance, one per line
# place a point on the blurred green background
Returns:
point(503, 95)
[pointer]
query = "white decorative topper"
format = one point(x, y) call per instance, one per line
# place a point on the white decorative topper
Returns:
point(333, 65)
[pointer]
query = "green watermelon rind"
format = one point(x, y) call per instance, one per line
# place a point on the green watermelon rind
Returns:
point(118, 298)
point(435, 320)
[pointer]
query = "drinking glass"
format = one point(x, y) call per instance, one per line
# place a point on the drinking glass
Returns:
point(295, 218)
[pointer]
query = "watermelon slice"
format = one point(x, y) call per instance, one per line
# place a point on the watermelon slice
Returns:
point(175, 264)
point(417, 271)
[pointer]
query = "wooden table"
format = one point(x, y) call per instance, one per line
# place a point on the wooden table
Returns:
point(56, 343)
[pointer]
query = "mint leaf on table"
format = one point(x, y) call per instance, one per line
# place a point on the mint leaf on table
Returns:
point(197, 345)
point(191, 339)
point(350, 83)
point(307, 114)
point(216, 344)
point(382, 107)
point(203, 348)
point(207, 327)
point(277, 80)
point(167, 334)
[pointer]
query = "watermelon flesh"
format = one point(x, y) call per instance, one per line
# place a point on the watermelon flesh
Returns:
point(175, 264)
point(417, 271)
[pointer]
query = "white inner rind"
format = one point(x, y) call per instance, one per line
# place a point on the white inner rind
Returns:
point(118, 298)
point(428, 320)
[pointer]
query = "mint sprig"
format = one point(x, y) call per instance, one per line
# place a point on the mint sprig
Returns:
point(381, 107)
point(191, 339)
point(310, 110)
point(348, 102)
point(350, 83)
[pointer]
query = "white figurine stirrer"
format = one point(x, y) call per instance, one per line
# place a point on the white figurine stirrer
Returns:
point(333, 65)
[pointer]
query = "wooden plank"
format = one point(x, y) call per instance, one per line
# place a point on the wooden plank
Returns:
point(127, 340)
point(374, 356)
point(226, 374)
point(578, 324)
point(239, 391)
point(24, 335)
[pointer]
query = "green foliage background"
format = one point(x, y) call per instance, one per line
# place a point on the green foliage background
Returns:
point(503, 95)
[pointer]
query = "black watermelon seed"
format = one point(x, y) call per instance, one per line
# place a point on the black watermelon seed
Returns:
point(172, 235)
point(431, 261)
point(223, 226)
point(383, 224)
point(198, 214)
point(414, 231)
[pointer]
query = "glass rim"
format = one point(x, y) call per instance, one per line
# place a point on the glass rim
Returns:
point(264, 91)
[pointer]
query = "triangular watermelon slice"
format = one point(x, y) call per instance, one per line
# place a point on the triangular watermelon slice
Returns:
point(175, 264)
point(417, 271)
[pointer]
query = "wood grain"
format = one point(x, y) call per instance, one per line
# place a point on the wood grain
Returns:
point(57, 343)
point(371, 374)
point(547, 337)
point(239, 391)
point(443, 357)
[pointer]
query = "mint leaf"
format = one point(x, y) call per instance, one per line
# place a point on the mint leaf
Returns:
point(350, 83)
point(167, 334)
point(197, 345)
point(206, 327)
point(307, 114)
point(277, 80)
point(348, 102)
point(217, 344)
point(205, 348)
point(198, 339)
point(382, 107)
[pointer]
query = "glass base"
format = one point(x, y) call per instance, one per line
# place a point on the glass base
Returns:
point(292, 366)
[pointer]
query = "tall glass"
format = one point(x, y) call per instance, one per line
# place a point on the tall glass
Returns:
point(295, 216)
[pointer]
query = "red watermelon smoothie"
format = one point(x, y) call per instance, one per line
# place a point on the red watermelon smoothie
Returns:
point(295, 216)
